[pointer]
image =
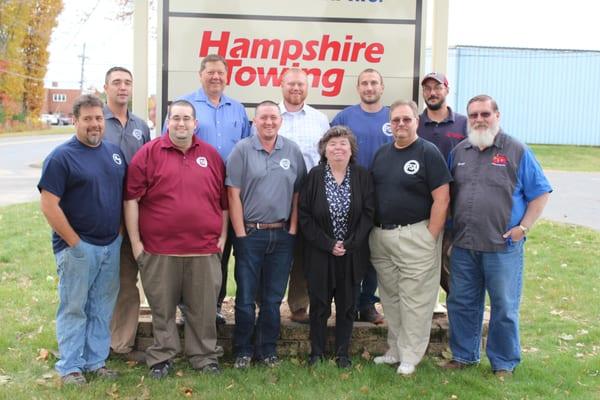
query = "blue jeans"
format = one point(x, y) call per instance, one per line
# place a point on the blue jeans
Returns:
point(501, 274)
point(87, 289)
point(263, 260)
point(366, 296)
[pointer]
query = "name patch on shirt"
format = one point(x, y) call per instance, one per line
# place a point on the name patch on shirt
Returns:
point(411, 167)
point(284, 163)
point(499, 160)
point(117, 159)
point(201, 161)
point(137, 133)
point(455, 135)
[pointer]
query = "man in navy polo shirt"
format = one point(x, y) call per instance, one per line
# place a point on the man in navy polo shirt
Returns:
point(81, 197)
point(445, 128)
point(222, 122)
point(498, 193)
point(370, 122)
point(129, 132)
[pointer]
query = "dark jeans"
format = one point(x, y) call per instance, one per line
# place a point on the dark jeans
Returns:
point(262, 263)
point(366, 294)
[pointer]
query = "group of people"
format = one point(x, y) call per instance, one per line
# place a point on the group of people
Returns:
point(377, 198)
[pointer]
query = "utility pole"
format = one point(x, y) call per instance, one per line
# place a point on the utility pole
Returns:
point(83, 58)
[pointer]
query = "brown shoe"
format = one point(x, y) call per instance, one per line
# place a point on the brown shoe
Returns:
point(370, 314)
point(453, 364)
point(300, 316)
point(503, 373)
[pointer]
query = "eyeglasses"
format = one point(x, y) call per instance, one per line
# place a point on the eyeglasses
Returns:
point(484, 114)
point(178, 119)
point(404, 120)
point(437, 88)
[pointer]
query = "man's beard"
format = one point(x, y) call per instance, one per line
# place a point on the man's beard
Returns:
point(434, 106)
point(483, 138)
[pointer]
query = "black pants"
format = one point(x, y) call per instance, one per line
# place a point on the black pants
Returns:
point(345, 305)
point(225, 265)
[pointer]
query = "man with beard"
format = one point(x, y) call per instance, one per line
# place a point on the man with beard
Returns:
point(81, 197)
point(444, 128)
point(498, 193)
point(370, 122)
point(222, 122)
point(305, 126)
point(129, 132)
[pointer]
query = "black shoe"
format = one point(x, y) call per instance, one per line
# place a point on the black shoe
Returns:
point(313, 359)
point(343, 362)
point(220, 318)
point(210, 369)
point(160, 370)
point(370, 314)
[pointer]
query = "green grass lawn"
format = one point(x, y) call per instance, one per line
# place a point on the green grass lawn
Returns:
point(568, 158)
point(560, 336)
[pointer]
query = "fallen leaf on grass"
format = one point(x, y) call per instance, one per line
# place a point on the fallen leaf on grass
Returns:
point(454, 397)
point(565, 337)
point(358, 367)
point(43, 355)
point(4, 379)
point(364, 389)
point(530, 350)
point(131, 364)
point(113, 391)
point(48, 375)
point(179, 373)
point(295, 361)
point(188, 392)
point(556, 312)
point(582, 332)
point(345, 376)
point(229, 387)
point(446, 355)
point(366, 355)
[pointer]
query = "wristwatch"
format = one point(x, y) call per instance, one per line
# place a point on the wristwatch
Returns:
point(524, 229)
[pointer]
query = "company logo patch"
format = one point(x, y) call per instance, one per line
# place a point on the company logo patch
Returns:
point(137, 133)
point(117, 159)
point(499, 160)
point(386, 129)
point(411, 167)
point(284, 163)
point(455, 135)
point(201, 161)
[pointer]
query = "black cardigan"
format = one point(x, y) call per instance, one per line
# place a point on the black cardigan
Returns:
point(316, 227)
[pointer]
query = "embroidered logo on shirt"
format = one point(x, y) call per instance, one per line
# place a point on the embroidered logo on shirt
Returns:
point(201, 161)
point(284, 163)
point(386, 129)
point(499, 160)
point(411, 167)
point(137, 133)
point(455, 135)
point(117, 159)
point(460, 164)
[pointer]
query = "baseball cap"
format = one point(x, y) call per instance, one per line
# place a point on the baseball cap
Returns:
point(437, 76)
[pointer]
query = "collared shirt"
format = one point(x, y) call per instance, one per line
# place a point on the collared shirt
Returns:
point(445, 134)
point(338, 198)
point(221, 126)
point(89, 183)
point(372, 130)
point(305, 127)
point(491, 191)
point(267, 181)
point(131, 137)
point(182, 196)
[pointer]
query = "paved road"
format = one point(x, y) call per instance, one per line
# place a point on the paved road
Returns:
point(576, 196)
point(18, 179)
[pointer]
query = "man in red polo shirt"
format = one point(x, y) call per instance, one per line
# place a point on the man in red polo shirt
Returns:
point(176, 215)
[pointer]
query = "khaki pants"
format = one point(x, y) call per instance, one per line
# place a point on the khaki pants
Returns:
point(407, 263)
point(298, 289)
point(124, 323)
point(193, 282)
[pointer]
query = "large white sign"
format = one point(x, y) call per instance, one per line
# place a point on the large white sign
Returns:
point(332, 40)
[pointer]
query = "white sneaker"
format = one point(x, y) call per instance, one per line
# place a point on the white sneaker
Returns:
point(385, 359)
point(405, 369)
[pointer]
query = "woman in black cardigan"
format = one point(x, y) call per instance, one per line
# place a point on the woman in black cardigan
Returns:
point(336, 211)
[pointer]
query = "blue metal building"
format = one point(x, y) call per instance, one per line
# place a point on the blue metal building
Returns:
point(545, 96)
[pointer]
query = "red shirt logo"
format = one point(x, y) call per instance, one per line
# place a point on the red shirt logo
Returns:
point(500, 160)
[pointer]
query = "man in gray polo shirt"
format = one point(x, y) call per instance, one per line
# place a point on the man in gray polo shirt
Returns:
point(264, 175)
point(129, 132)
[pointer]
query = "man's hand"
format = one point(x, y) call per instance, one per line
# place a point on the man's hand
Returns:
point(137, 248)
point(515, 233)
point(221, 243)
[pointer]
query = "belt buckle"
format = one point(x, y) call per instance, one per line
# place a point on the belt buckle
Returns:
point(258, 225)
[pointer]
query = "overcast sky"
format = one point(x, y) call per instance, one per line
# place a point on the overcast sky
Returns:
point(557, 24)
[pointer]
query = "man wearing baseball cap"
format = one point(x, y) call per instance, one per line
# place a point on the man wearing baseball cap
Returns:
point(445, 128)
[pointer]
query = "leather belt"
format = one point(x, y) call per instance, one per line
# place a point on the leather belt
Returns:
point(388, 226)
point(260, 225)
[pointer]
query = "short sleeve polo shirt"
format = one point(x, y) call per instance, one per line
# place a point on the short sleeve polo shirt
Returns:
point(491, 190)
point(267, 182)
point(130, 138)
point(182, 196)
point(445, 134)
